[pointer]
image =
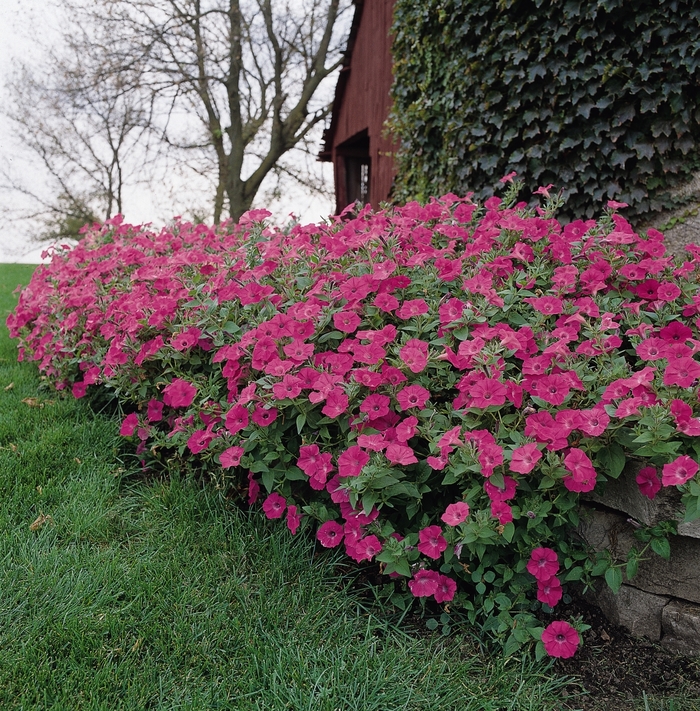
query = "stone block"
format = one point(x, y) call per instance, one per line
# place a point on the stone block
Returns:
point(678, 577)
point(680, 623)
point(638, 611)
point(622, 494)
point(692, 529)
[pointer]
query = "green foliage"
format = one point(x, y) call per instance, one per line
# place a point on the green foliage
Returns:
point(597, 97)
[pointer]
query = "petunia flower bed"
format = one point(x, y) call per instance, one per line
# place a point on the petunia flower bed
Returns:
point(429, 387)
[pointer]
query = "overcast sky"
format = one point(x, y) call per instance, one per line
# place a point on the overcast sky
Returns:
point(21, 21)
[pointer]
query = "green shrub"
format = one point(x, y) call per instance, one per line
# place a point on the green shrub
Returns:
point(431, 386)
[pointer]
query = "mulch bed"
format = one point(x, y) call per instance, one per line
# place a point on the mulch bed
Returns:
point(615, 668)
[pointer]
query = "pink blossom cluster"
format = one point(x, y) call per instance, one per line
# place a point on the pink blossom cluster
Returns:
point(404, 369)
point(544, 565)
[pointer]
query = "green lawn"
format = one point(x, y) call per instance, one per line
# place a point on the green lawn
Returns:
point(161, 595)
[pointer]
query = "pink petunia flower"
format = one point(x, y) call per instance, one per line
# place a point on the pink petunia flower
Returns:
point(580, 466)
point(502, 512)
point(199, 441)
point(560, 639)
point(373, 442)
point(412, 396)
point(330, 534)
point(431, 542)
point(490, 456)
point(415, 355)
point(648, 482)
point(369, 378)
point(486, 392)
point(386, 302)
point(501, 493)
point(264, 416)
point(547, 305)
point(648, 289)
point(366, 548)
point(351, 461)
point(253, 489)
point(549, 591)
point(675, 332)
point(346, 321)
point(579, 485)
point(356, 288)
point(438, 463)
point(289, 387)
point(231, 457)
point(129, 425)
point(400, 454)
point(278, 368)
point(455, 513)
point(186, 339)
point(293, 518)
point(316, 465)
point(263, 352)
point(154, 413)
point(392, 375)
point(543, 563)
point(298, 351)
point(336, 403)
point(451, 437)
point(446, 589)
point(525, 458)
point(424, 583)
point(451, 311)
point(679, 471)
point(553, 389)
point(179, 393)
point(337, 492)
point(594, 421)
point(237, 419)
point(406, 429)
point(682, 372)
point(274, 505)
point(668, 291)
point(413, 307)
point(375, 406)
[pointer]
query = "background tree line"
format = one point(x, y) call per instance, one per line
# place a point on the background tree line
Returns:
point(162, 93)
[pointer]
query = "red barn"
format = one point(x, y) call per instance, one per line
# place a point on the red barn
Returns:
point(362, 156)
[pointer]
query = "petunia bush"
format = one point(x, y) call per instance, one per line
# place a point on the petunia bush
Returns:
point(429, 387)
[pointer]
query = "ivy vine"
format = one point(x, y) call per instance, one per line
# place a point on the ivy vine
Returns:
point(601, 98)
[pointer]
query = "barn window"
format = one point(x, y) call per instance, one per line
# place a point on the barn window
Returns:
point(355, 154)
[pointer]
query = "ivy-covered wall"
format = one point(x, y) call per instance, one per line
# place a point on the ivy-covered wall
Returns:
point(598, 97)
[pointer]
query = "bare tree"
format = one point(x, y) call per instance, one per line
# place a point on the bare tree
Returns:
point(225, 87)
point(83, 133)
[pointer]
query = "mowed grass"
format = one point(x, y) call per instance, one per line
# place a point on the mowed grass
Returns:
point(121, 594)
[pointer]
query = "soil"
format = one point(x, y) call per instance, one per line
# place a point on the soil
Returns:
point(615, 670)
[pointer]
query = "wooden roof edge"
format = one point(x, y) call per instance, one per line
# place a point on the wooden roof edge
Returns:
point(326, 151)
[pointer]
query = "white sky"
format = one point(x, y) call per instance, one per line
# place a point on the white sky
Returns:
point(20, 22)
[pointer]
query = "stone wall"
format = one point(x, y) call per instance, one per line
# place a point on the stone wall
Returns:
point(685, 220)
point(662, 601)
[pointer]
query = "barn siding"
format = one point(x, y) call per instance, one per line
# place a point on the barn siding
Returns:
point(365, 101)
